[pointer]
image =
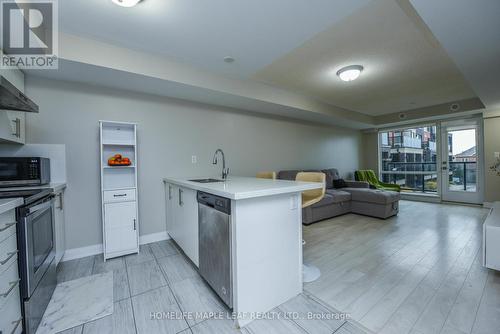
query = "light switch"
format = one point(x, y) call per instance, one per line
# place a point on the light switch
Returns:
point(497, 155)
point(194, 159)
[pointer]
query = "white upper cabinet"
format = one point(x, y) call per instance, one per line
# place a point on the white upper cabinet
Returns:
point(12, 123)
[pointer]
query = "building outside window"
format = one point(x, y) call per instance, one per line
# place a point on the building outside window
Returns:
point(408, 158)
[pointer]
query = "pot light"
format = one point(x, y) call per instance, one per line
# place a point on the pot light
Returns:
point(350, 73)
point(126, 3)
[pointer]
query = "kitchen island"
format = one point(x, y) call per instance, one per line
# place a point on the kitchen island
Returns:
point(265, 224)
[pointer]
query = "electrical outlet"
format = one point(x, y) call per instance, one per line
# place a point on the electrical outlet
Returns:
point(294, 202)
point(194, 159)
point(497, 155)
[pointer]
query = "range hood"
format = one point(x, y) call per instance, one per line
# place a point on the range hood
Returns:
point(12, 98)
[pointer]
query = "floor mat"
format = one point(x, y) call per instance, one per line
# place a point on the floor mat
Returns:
point(77, 302)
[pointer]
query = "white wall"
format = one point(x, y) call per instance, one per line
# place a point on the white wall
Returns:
point(169, 133)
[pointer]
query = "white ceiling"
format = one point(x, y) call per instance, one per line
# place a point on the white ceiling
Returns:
point(404, 67)
point(470, 33)
point(414, 56)
point(202, 33)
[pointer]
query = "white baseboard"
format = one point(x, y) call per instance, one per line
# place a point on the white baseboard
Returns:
point(153, 237)
point(420, 198)
point(78, 253)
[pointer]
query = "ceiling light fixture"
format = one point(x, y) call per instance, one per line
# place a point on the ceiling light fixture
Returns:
point(229, 59)
point(350, 73)
point(126, 3)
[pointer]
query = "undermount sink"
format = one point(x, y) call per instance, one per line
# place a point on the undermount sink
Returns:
point(206, 180)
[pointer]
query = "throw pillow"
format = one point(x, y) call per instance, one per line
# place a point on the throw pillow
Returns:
point(339, 183)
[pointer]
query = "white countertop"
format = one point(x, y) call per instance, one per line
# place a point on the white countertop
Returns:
point(245, 187)
point(56, 187)
point(7, 204)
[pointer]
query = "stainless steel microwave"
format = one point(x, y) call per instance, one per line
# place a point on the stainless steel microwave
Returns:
point(25, 171)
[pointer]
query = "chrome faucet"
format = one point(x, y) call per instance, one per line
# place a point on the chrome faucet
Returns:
point(225, 171)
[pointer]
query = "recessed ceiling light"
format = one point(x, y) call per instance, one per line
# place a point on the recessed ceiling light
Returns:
point(229, 59)
point(126, 3)
point(350, 73)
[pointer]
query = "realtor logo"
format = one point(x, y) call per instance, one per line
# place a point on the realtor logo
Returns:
point(29, 34)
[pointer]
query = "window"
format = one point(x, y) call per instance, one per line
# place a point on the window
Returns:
point(408, 158)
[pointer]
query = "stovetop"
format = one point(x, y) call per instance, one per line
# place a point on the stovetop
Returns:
point(29, 196)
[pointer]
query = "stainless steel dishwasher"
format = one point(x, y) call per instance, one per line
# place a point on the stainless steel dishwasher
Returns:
point(215, 266)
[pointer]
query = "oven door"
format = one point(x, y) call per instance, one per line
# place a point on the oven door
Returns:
point(38, 250)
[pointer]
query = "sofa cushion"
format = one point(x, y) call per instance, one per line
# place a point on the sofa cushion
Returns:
point(327, 200)
point(331, 174)
point(373, 195)
point(339, 195)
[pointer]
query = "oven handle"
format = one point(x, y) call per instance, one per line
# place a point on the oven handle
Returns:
point(39, 207)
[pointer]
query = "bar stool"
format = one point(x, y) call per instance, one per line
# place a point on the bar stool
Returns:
point(266, 175)
point(311, 273)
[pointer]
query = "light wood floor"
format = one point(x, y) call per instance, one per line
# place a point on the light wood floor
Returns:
point(419, 272)
point(160, 280)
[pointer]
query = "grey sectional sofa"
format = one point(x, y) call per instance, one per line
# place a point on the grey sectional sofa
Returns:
point(356, 198)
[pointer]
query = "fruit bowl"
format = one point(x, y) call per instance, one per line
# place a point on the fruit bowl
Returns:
point(119, 160)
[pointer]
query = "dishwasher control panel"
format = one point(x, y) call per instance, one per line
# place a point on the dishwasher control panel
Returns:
point(221, 204)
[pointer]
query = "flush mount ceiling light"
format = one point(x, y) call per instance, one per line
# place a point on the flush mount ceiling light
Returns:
point(126, 3)
point(350, 73)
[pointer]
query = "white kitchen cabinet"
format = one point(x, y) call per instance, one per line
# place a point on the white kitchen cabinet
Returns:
point(119, 189)
point(182, 219)
point(13, 123)
point(491, 238)
point(10, 304)
point(169, 195)
point(121, 227)
point(59, 226)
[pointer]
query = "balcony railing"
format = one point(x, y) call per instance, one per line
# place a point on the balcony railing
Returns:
point(463, 176)
point(423, 176)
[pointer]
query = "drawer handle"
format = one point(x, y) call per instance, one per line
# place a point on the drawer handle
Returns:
point(18, 322)
point(119, 195)
point(10, 256)
point(12, 286)
point(6, 226)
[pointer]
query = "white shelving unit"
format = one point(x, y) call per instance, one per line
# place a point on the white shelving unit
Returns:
point(120, 216)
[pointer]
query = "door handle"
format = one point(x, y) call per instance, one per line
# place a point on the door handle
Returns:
point(6, 226)
point(181, 202)
point(12, 286)
point(61, 204)
point(135, 224)
point(17, 123)
point(9, 256)
point(169, 192)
